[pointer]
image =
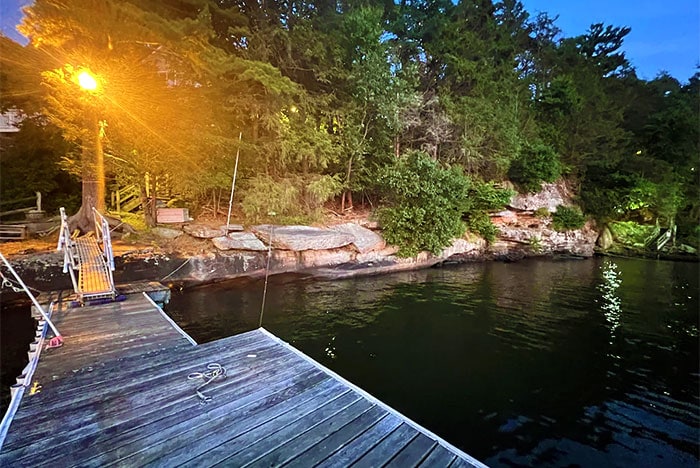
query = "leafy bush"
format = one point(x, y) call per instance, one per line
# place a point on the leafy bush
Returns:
point(487, 196)
point(482, 198)
point(264, 195)
point(294, 200)
point(542, 212)
point(423, 204)
point(535, 244)
point(630, 232)
point(536, 163)
point(480, 223)
point(321, 189)
point(567, 218)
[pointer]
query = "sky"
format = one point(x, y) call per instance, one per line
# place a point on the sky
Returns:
point(665, 33)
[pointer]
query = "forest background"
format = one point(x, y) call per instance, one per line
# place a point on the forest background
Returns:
point(426, 111)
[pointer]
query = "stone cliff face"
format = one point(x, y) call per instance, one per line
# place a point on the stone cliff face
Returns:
point(534, 236)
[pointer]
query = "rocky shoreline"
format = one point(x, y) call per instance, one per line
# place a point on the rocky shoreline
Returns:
point(339, 251)
point(198, 253)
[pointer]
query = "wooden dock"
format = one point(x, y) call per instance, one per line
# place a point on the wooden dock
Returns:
point(117, 392)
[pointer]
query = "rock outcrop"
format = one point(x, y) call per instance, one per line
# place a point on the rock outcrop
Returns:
point(300, 238)
point(166, 233)
point(364, 239)
point(534, 236)
point(202, 231)
point(239, 241)
point(551, 196)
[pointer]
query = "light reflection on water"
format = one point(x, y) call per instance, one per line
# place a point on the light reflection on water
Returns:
point(539, 363)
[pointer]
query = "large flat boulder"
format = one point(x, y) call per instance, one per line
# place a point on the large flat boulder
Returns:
point(166, 233)
point(299, 238)
point(202, 231)
point(364, 239)
point(239, 241)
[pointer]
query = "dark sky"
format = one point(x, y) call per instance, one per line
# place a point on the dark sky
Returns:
point(665, 33)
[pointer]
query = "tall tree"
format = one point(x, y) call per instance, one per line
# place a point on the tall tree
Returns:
point(155, 69)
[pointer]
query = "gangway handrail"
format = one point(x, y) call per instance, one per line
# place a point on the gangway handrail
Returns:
point(65, 243)
point(75, 252)
point(102, 230)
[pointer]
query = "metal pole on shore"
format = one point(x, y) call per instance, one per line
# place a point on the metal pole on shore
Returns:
point(233, 184)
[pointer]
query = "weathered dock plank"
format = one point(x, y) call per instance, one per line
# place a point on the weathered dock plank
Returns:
point(338, 439)
point(117, 393)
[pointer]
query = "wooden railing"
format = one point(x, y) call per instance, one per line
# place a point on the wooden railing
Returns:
point(126, 198)
point(36, 207)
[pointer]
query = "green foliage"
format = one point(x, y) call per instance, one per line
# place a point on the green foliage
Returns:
point(487, 196)
point(320, 190)
point(423, 204)
point(536, 163)
point(28, 161)
point(480, 223)
point(542, 212)
point(567, 218)
point(631, 232)
point(265, 195)
point(535, 244)
point(293, 200)
point(482, 198)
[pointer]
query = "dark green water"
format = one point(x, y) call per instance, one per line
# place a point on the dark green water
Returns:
point(536, 363)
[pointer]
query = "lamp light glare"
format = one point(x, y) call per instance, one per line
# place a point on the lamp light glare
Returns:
point(87, 81)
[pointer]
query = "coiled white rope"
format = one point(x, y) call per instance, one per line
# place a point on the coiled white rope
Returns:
point(213, 372)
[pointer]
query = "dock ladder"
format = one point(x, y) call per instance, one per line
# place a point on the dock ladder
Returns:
point(91, 257)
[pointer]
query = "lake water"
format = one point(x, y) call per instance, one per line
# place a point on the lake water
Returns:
point(536, 363)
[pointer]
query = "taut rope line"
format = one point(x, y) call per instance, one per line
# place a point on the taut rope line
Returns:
point(267, 274)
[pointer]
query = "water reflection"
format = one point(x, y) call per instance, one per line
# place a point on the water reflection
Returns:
point(528, 363)
point(610, 300)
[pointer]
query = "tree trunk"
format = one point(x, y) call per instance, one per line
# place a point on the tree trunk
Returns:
point(93, 191)
point(145, 202)
point(153, 205)
point(347, 195)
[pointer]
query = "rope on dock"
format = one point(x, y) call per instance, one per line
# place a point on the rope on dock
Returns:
point(213, 372)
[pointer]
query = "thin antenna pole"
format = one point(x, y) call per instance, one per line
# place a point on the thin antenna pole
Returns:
point(267, 273)
point(233, 184)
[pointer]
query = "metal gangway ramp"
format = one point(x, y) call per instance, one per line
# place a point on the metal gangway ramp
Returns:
point(91, 257)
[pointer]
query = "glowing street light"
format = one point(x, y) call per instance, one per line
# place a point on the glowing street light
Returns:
point(93, 169)
point(87, 81)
